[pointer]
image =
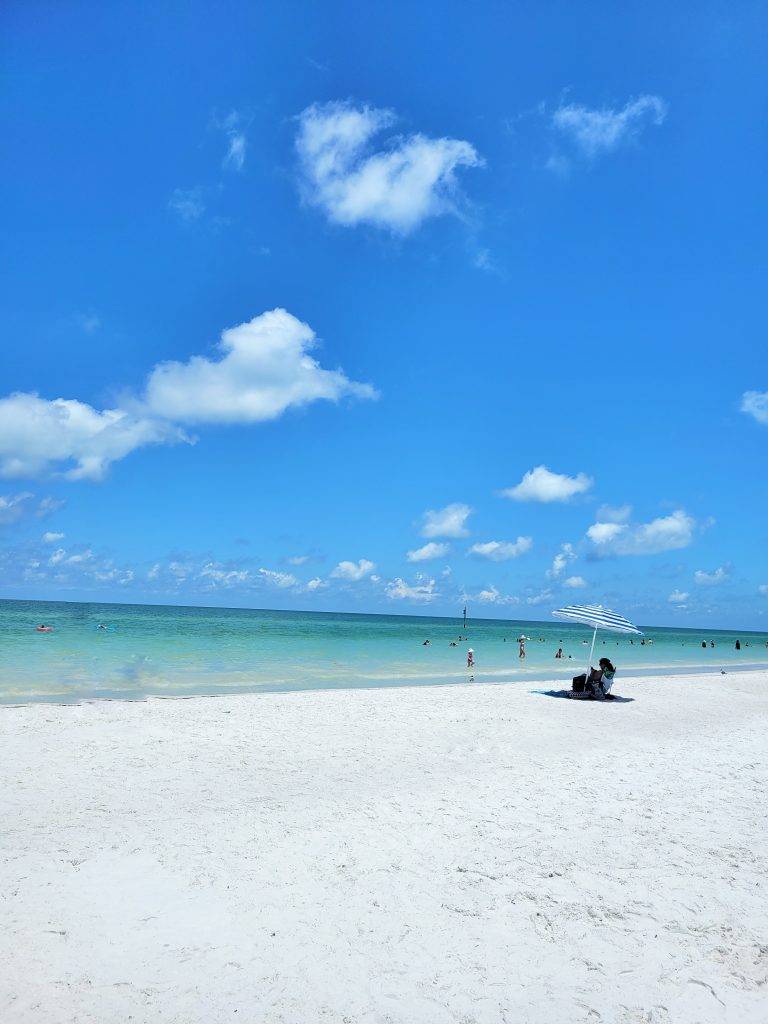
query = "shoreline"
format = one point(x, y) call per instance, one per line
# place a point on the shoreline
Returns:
point(634, 673)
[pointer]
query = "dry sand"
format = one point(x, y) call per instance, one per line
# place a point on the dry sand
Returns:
point(456, 854)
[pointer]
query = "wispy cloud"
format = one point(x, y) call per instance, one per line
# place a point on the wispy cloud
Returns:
point(13, 507)
point(187, 203)
point(755, 404)
point(705, 578)
point(232, 127)
point(595, 132)
point(395, 184)
point(565, 555)
point(502, 550)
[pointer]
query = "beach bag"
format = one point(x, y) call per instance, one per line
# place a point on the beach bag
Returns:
point(579, 683)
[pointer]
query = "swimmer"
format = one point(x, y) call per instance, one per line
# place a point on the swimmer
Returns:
point(470, 658)
point(559, 652)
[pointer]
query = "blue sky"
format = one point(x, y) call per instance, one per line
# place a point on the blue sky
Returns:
point(293, 290)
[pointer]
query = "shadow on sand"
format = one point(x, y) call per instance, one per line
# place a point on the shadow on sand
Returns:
point(567, 693)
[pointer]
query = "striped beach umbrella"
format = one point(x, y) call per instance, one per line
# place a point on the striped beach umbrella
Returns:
point(596, 617)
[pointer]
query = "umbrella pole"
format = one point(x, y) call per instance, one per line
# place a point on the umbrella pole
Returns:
point(589, 663)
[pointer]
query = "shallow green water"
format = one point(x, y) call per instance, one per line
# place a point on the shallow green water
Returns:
point(158, 650)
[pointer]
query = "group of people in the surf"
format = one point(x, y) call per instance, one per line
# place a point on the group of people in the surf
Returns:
point(597, 685)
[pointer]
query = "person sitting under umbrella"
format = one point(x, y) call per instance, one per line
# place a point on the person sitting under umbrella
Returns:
point(599, 683)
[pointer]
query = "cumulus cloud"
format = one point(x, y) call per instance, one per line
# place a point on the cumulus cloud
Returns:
point(37, 434)
point(315, 584)
point(264, 369)
point(502, 550)
point(394, 184)
point(49, 537)
point(422, 590)
point(575, 582)
point(678, 597)
point(446, 522)
point(755, 404)
point(428, 552)
point(565, 555)
point(708, 579)
point(541, 484)
point(353, 571)
point(666, 533)
point(598, 131)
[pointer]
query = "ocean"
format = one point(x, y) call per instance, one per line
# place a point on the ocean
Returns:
point(153, 650)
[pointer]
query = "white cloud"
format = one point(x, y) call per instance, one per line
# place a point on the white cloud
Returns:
point(51, 538)
point(605, 533)
point(492, 595)
point(600, 131)
point(574, 582)
point(763, 588)
point(666, 533)
point(315, 584)
point(298, 559)
point(48, 506)
point(187, 203)
point(446, 522)
point(36, 434)
point(12, 506)
point(565, 555)
point(264, 369)
point(397, 186)
point(278, 579)
point(708, 579)
point(678, 597)
point(541, 484)
point(502, 550)
point(57, 557)
point(236, 141)
point(423, 590)
point(220, 576)
point(614, 513)
point(428, 552)
point(541, 598)
point(755, 404)
point(353, 571)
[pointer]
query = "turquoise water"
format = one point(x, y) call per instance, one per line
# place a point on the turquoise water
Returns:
point(166, 651)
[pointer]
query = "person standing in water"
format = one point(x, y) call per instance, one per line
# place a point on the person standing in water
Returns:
point(470, 658)
point(521, 652)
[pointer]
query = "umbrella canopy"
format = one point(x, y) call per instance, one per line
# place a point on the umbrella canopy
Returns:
point(597, 617)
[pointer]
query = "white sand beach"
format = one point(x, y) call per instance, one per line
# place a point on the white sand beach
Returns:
point(451, 855)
